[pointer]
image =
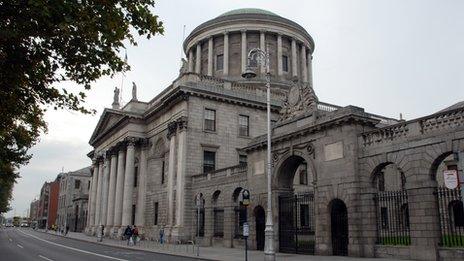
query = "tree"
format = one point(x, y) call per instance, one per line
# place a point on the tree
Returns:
point(43, 43)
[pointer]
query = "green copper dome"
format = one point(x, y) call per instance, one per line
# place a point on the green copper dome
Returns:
point(248, 11)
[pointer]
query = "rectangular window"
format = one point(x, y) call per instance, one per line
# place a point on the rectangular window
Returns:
point(77, 184)
point(242, 160)
point(303, 174)
point(156, 214)
point(162, 171)
point(210, 120)
point(209, 161)
point(133, 215)
point(218, 222)
point(136, 176)
point(284, 63)
point(243, 125)
point(304, 215)
point(219, 62)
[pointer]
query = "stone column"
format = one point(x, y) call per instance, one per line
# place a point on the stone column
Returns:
point(112, 190)
point(172, 127)
point(294, 64)
point(140, 209)
point(105, 186)
point(198, 61)
point(244, 50)
point(423, 218)
point(119, 190)
point(262, 46)
point(181, 162)
point(128, 183)
point(304, 73)
point(210, 56)
point(310, 68)
point(279, 55)
point(190, 60)
point(225, 70)
point(99, 195)
point(93, 195)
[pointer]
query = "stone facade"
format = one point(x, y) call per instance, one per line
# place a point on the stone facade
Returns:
point(205, 135)
point(73, 198)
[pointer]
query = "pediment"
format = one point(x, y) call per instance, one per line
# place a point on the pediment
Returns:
point(108, 119)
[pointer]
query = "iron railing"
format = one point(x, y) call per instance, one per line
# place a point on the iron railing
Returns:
point(451, 214)
point(393, 218)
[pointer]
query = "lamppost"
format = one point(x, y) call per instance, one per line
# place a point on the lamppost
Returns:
point(262, 58)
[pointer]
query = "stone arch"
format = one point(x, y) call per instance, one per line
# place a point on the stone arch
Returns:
point(378, 176)
point(236, 194)
point(215, 197)
point(159, 148)
point(285, 167)
point(338, 213)
point(260, 225)
point(436, 164)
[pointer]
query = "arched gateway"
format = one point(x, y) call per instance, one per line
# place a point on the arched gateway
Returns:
point(296, 205)
point(339, 227)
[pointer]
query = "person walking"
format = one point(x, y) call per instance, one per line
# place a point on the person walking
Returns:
point(135, 234)
point(128, 234)
point(161, 235)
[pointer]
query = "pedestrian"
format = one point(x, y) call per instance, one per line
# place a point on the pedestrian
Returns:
point(161, 234)
point(128, 234)
point(135, 234)
point(67, 230)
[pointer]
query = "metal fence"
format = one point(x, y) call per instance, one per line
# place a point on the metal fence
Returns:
point(392, 218)
point(296, 224)
point(451, 214)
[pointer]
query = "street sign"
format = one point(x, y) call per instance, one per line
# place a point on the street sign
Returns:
point(451, 179)
point(245, 197)
point(246, 229)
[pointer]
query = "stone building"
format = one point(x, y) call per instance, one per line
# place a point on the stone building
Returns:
point(344, 181)
point(33, 210)
point(73, 199)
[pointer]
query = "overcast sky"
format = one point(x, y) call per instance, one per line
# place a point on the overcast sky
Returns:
point(388, 57)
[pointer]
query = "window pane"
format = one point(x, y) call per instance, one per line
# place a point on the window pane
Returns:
point(242, 160)
point(210, 120)
point(209, 161)
point(284, 63)
point(219, 62)
point(243, 123)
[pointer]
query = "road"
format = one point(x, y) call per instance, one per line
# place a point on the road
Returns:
point(27, 244)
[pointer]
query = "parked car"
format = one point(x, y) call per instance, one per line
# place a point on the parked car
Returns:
point(24, 224)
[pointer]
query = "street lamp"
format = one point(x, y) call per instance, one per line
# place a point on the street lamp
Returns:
point(262, 58)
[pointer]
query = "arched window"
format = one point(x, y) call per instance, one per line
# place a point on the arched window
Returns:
point(240, 213)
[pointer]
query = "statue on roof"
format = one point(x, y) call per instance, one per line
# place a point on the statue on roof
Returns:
point(134, 91)
point(184, 67)
point(115, 104)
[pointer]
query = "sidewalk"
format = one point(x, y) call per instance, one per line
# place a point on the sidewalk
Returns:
point(211, 253)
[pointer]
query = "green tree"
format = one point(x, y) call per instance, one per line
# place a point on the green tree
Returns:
point(45, 42)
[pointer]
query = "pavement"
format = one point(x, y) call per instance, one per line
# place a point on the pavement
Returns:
point(27, 244)
point(150, 250)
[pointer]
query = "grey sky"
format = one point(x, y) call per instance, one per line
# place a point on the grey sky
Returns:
point(388, 57)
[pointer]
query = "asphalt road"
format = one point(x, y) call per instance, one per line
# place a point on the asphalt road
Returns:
point(26, 244)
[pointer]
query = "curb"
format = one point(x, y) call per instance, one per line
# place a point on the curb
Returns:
point(129, 248)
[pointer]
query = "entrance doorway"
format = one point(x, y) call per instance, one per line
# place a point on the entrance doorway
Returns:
point(260, 222)
point(339, 225)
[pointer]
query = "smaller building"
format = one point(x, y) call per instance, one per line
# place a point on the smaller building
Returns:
point(48, 204)
point(33, 212)
point(73, 198)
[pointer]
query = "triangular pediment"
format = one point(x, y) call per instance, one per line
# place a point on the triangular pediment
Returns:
point(108, 120)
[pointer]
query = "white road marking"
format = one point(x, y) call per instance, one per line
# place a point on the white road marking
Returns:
point(46, 258)
point(72, 248)
point(11, 240)
point(19, 246)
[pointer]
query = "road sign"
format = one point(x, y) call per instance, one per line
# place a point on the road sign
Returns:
point(451, 179)
point(246, 229)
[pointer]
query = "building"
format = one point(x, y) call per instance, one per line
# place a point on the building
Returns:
point(73, 198)
point(33, 210)
point(48, 204)
point(344, 181)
